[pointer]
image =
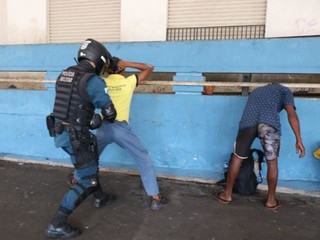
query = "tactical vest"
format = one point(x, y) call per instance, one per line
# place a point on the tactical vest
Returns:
point(72, 103)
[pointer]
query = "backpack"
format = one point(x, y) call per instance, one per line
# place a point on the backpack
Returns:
point(248, 179)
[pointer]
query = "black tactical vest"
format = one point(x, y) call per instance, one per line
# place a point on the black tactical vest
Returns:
point(72, 103)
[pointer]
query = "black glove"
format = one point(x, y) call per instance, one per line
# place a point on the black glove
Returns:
point(109, 112)
point(95, 122)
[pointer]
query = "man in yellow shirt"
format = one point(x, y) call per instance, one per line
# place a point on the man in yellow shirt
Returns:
point(120, 89)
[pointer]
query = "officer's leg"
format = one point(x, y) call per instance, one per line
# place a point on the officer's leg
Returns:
point(87, 183)
point(102, 198)
point(104, 136)
point(91, 157)
point(85, 186)
point(83, 155)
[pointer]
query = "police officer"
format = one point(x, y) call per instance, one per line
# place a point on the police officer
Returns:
point(79, 91)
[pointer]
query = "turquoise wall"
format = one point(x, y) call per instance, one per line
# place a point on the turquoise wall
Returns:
point(287, 55)
point(187, 135)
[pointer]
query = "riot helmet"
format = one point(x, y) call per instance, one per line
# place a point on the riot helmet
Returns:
point(94, 51)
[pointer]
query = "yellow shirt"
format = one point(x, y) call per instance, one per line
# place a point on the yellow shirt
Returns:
point(120, 90)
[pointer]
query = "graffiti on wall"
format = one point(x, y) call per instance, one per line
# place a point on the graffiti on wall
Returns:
point(307, 26)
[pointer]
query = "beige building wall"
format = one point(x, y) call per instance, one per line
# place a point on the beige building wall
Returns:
point(3, 22)
point(292, 18)
point(23, 21)
point(144, 20)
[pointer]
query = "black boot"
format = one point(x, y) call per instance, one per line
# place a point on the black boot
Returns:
point(101, 198)
point(59, 228)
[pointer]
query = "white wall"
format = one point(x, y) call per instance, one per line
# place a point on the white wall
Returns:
point(287, 18)
point(3, 22)
point(143, 20)
point(23, 21)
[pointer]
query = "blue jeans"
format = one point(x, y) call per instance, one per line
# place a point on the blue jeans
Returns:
point(121, 134)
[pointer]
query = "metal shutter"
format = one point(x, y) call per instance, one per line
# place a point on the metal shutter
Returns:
point(190, 20)
point(73, 21)
point(213, 13)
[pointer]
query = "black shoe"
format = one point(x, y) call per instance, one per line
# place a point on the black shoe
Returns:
point(156, 205)
point(63, 231)
point(106, 199)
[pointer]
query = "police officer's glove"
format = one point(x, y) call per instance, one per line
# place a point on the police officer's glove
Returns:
point(95, 122)
point(109, 113)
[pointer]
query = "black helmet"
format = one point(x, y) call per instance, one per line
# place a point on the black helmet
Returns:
point(94, 51)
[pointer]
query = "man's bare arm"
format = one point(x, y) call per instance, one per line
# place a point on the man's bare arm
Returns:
point(295, 126)
point(145, 69)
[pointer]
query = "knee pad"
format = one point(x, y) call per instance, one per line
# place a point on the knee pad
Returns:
point(83, 192)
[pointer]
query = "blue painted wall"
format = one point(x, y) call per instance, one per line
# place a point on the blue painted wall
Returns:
point(287, 55)
point(187, 135)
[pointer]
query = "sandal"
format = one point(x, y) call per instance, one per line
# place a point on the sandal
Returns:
point(217, 197)
point(274, 207)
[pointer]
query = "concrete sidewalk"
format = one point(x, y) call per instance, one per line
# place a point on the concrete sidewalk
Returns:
point(30, 195)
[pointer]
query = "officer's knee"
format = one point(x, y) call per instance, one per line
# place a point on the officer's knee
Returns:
point(83, 192)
